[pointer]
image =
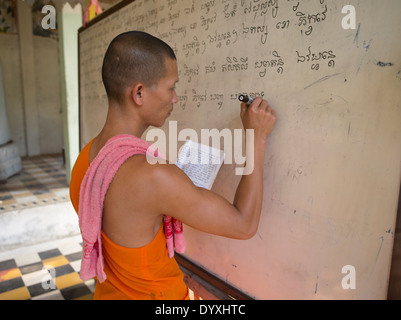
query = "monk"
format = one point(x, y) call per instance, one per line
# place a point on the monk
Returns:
point(140, 73)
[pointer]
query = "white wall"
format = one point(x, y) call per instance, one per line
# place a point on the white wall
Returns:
point(32, 88)
point(48, 95)
point(10, 57)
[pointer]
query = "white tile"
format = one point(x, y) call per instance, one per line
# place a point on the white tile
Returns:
point(41, 276)
point(52, 295)
point(19, 191)
point(61, 192)
point(76, 265)
point(28, 258)
point(70, 248)
point(91, 284)
point(44, 246)
point(26, 199)
point(19, 253)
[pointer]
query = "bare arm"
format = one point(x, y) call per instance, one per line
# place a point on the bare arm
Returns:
point(207, 211)
point(249, 195)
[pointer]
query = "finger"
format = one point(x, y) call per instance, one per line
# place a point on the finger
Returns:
point(257, 103)
point(264, 106)
point(268, 107)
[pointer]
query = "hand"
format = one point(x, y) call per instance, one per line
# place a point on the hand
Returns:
point(260, 117)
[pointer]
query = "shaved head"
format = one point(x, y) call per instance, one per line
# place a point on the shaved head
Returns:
point(132, 57)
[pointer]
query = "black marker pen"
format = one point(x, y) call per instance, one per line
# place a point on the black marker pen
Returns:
point(245, 98)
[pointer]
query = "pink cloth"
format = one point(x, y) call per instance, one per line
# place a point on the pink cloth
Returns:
point(86, 13)
point(93, 190)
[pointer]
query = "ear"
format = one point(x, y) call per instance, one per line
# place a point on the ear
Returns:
point(137, 93)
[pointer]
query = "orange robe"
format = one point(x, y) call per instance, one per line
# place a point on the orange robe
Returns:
point(132, 273)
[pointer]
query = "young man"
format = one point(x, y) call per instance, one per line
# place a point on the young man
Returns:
point(140, 73)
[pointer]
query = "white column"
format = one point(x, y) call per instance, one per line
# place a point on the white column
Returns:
point(69, 21)
point(31, 115)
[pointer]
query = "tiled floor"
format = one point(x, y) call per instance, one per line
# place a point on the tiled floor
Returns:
point(41, 181)
point(45, 271)
point(48, 271)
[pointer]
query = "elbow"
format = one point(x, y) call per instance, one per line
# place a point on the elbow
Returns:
point(247, 233)
point(246, 227)
point(251, 234)
point(250, 228)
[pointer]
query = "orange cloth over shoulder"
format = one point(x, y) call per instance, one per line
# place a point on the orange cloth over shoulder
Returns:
point(145, 273)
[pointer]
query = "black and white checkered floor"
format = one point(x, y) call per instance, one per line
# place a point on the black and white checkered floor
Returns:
point(41, 181)
point(48, 270)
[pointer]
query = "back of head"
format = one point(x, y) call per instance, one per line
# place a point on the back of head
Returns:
point(132, 57)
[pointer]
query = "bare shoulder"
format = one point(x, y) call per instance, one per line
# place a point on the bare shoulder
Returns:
point(151, 180)
point(160, 175)
point(139, 165)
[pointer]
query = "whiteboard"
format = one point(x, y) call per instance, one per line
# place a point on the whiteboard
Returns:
point(333, 163)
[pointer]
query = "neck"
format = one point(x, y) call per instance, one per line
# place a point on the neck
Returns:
point(119, 121)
